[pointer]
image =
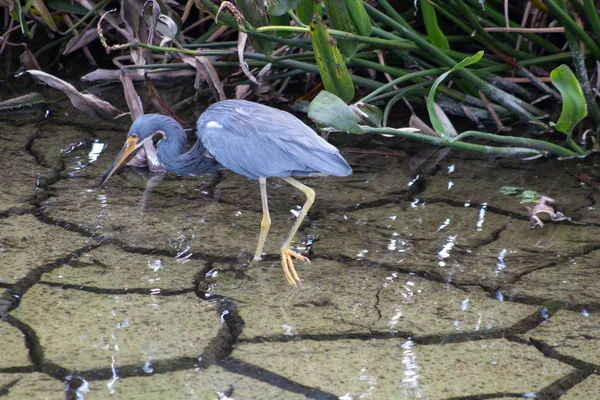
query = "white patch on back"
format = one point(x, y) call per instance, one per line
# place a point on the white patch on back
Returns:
point(214, 124)
point(243, 111)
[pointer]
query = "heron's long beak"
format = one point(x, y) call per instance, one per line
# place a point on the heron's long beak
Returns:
point(131, 145)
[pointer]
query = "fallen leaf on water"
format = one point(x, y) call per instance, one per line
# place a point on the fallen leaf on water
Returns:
point(530, 196)
point(87, 103)
point(510, 190)
point(28, 100)
point(545, 205)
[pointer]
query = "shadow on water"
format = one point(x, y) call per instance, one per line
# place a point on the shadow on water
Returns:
point(424, 283)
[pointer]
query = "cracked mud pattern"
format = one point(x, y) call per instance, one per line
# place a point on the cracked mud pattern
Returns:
point(421, 285)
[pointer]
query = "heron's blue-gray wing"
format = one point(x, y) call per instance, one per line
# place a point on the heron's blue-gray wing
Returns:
point(260, 141)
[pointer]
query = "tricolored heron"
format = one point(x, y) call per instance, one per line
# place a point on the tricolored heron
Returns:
point(251, 139)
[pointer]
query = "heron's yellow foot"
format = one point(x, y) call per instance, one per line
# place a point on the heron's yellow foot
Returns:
point(288, 265)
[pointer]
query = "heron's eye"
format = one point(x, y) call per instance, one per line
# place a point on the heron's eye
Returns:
point(134, 135)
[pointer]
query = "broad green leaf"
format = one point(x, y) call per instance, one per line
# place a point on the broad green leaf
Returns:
point(330, 112)
point(300, 106)
point(255, 13)
point(333, 71)
point(574, 104)
point(436, 123)
point(280, 7)
point(307, 9)
point(339, 19)
point(434, 33)
point(359, 17)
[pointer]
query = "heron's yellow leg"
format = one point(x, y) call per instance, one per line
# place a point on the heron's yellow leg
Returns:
point(287, 253)
point(265, 224)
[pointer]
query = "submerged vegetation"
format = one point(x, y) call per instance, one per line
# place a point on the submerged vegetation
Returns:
point(359, 62)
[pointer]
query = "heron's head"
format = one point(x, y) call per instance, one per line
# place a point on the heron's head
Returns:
point(143, 132)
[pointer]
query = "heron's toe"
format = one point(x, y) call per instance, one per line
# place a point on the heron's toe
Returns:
point(288, 265)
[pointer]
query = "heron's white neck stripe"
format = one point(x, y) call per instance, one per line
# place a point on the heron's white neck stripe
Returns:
point(214, 124)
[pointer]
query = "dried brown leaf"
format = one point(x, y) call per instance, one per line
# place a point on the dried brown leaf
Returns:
point(548, 206)
point(187, 10)
point(115, 74)
point(265, 89)
point(418, 123)
point(131, 97)
point(80, 41)
point(111, 19)
point(46, 16)
point(87, 103)
point(205, 72)
point(146, 157)
point(28, 61)
point(151, 12)
point(28, 100)
point(242, 91)
point(159, 102)
point(10, 4)
point(242, 38)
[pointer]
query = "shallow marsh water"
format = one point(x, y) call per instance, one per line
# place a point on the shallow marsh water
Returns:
point(421, 285)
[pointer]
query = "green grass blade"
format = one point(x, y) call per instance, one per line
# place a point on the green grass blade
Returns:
point(435, 34)
point(436, 122)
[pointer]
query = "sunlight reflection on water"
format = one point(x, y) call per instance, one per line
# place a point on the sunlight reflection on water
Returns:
point(80, 162)
point(410, 378)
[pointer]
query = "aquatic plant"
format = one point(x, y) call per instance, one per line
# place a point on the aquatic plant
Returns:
point(376, 55)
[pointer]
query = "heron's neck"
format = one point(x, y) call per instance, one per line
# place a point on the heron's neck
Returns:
point(172, 155)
